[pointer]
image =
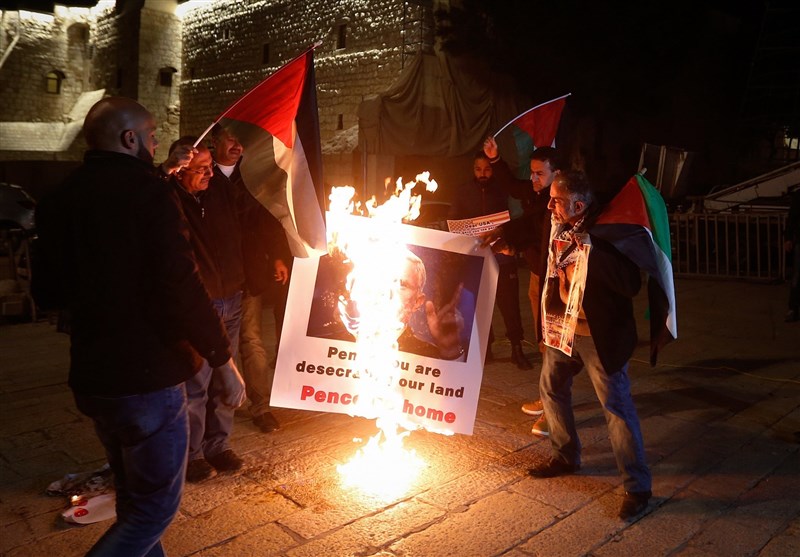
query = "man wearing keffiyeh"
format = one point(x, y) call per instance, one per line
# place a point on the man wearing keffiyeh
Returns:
point(589, 323)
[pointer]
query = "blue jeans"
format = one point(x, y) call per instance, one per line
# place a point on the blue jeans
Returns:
point(210, 419)
point(614, 392)
point(146, 438)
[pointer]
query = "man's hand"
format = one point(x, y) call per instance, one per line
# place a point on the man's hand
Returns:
point(180, 157)
point(490, 148)
point(281, 271)
point(445, 325)
point(232, 384)
point(494, 239)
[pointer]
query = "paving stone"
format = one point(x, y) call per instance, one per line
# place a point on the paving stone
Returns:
point(489, 527)
point(729, 536)
point(579, 532)
point(264, 541)
point(187, 535)
point(466, 489)
point(664, 529)
point(366, 534)
point(785, 543)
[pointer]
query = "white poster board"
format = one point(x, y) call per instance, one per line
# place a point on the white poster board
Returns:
point(317, 366)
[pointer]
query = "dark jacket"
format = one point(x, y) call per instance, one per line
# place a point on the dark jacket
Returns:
point(215, 231)
point(113, 250)
point(475, 199)
point(533, 232)
point(612, 281)
point(263, 236)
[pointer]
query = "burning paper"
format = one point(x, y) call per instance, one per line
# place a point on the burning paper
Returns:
point(391, 324)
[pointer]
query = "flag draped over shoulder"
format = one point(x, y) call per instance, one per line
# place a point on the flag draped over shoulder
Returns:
point(635, 222)
point(534, 128)
point(278, 125)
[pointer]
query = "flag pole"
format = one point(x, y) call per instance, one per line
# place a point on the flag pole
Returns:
point(518, 116)
point(208, 129)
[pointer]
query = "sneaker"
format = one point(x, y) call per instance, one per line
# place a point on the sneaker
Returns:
point(266, 422)
point(540, 427)
point(552, 468)
point(634, 503)
point(226, 461)
point(535, 408)
point(199, 470)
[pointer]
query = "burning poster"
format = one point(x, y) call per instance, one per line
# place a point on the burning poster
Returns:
point(565, 282)
point(395, 325)
point(478, 225)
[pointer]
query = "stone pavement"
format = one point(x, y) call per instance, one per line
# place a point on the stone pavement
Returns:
point(720, 415)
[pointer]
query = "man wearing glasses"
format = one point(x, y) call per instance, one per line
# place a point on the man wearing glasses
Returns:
point(216, 237)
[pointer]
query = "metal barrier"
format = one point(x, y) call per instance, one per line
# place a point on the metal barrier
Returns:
point(735, 245)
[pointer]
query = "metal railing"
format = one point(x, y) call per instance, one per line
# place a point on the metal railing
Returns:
point(735, 245)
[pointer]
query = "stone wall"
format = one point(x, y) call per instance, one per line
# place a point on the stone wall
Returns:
point(224, 49)
point(46, 43)
point(160, 49)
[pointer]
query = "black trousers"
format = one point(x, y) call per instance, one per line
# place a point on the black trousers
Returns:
point(507, 300)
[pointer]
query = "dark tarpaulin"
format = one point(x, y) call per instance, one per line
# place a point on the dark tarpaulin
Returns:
point(440, 106)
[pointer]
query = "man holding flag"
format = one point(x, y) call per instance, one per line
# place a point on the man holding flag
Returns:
point(592, 275)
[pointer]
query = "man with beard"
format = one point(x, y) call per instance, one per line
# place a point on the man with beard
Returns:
point(531, 233)
point(485, 196)
point(598, 334)
point(113, 253)
point(265, 253)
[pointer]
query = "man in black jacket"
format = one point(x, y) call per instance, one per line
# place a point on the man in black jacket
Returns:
point(602, 339)
point(484, 196)
point(266, 259)
point(112, 251)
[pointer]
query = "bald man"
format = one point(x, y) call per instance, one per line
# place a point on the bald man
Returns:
point(113, 253)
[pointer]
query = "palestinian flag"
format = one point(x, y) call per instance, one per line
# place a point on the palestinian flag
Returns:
point(636, 224)
point(534, 128)
point(278, 125)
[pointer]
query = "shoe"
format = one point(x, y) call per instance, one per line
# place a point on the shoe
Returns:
point(266, 422)
point(634, 503)
point(541, 427)
point(552, 468)
point(792, 315)
point(518, 357)
point(199, 470)
point(535, 408)
point(226, 461)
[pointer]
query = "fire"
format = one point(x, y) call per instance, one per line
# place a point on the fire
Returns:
point(373, 312)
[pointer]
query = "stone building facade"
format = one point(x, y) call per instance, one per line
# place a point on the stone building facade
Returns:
point(189, 60)
point(230, 46)
point(56, 65)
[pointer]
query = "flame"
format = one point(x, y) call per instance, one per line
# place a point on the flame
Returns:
point(373, 312)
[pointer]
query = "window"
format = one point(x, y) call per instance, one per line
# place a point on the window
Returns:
point(341, 35)
point(226, 33)
point(340, 122)
point(191, 72)
point(54, 79)
point(265, 54)
point(119, 78)
point(165, 76)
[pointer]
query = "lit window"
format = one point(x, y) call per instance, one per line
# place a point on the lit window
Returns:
point(54, 79)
